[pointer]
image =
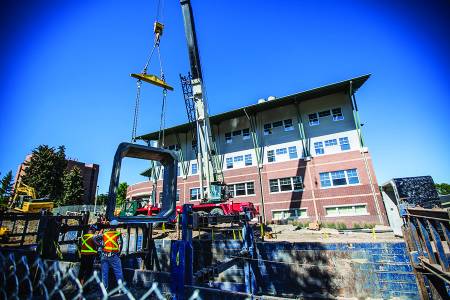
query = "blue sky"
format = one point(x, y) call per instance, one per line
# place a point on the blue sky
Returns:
point(66, 64)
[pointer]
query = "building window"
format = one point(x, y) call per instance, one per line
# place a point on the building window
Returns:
point(339, 178)
point(267, 129)
point(229, 161)
point(346, 210)
point(270, 156)
point(293, 152)
point(273, 183)
point(241, 189)
point(245, 134)
point(195, 194)
point(238, 158)
point(194, 169)
point(277, 124)
point(289, 214)
point(288, 125)
point(329, 143)
point(298, 184)
point(344, 143)
point(286, 184)
point(352, 176)
point(178, 170)
point(325, 179)
point(323, 114)
point(281, 151)
point(318, 147)
point(337, 114)
point(313, 119)
point(236, 133)
point(228, 138)
point(248, 160)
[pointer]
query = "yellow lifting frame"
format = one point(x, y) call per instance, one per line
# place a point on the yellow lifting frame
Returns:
point(153, 79)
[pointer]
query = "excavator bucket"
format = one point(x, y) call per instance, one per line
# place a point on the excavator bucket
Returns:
point(153, 79)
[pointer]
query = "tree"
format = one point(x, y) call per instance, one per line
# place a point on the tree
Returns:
point(44, 172)
point(121, 193)
point(6, 188)
point(73, 187)
point(443, 188)
point(102, 199)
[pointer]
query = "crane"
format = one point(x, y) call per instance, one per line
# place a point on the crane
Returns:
point(210, 175)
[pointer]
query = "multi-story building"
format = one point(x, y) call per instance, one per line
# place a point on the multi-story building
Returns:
point(301, 156)
point(88, 171)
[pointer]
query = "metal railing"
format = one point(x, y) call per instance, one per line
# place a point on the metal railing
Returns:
point(427, 235)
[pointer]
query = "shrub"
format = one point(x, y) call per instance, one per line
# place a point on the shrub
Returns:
point(358, 226)
point(341, 226)
point(369, 226)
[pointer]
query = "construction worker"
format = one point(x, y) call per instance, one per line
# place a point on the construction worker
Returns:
point(111, 247)
point(248, 248)
point(88, 252)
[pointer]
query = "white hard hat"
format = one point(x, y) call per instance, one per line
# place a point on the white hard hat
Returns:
point(114, 223)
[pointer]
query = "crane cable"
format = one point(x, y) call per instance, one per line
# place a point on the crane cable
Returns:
point(162, 76)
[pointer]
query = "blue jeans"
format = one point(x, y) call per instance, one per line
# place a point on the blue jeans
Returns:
point(248, 238)
point(114, 263)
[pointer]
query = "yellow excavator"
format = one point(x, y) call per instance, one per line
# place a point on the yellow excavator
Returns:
point(25, 200)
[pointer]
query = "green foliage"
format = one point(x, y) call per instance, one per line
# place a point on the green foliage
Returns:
point(357, 226)
point(73, 187)
point(329, 225)
point(102, 199)
point(368, 225)
point(443, 188)
point(45, 171)
point(341, 226)
point(121, 193)
point(6, 186)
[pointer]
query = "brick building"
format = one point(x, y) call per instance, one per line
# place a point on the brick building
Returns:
point(301, 157)
point(88, 171)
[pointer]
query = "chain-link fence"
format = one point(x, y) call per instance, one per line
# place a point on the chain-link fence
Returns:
point(25, 278)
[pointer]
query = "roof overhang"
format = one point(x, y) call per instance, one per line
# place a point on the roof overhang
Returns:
point(342, 86)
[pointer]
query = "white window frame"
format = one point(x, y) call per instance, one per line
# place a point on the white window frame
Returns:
point(292, 185)
point(229, 159)
point(337, 118)
point(353, 205)
point(245, 160)
point(288, 127)
point(322, 147)
point(246, 135)
point(233, 185)
point(192, 168)
point(313, 123)
point(274, 156)
point(288, 210)
point(228, 138)
point(348, 143)
point(292, 152)
point(346, 179)
point(267, 129)
point(199, 196)
point(330, 143)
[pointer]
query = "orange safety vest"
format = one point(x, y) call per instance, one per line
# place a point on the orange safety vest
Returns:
point(111, 241)
point(88, 246)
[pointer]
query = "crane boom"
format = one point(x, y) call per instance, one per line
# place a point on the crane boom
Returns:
point(208, 173)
